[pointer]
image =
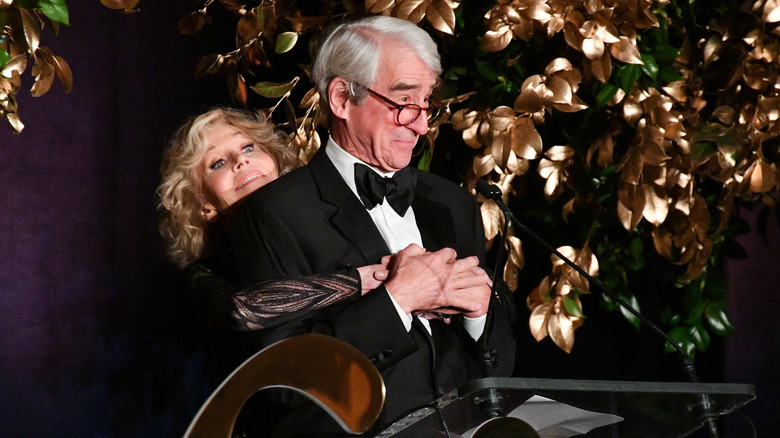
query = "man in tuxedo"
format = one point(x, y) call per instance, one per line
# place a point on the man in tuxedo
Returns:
point(357, 201)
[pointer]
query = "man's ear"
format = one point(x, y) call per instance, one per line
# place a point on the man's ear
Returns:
point(338, 97)
point(208, 212)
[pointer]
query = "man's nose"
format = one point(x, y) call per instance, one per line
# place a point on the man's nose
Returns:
point(420, 125)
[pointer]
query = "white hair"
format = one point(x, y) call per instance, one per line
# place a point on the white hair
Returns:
point(351, 51)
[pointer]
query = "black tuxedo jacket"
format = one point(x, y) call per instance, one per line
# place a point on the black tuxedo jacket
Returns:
point(310, 222)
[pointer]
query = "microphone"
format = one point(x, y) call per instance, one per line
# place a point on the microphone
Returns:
point(493, 192)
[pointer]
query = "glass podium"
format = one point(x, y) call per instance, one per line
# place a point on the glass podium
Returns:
point(648, 409)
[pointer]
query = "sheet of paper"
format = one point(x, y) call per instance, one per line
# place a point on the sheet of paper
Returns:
point(552, 419)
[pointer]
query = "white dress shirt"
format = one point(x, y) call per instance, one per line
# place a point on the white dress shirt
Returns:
point(397, 231)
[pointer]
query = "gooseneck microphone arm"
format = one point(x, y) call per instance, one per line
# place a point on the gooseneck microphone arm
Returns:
point(492, 192)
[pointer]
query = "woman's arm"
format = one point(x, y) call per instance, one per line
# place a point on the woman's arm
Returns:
point(272, 302)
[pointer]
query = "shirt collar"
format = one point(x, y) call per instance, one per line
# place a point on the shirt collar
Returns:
point(345, 164)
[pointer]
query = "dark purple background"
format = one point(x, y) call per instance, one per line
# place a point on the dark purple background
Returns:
point(92, 339)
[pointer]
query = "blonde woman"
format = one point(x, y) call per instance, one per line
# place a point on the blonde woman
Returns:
point(211, 164)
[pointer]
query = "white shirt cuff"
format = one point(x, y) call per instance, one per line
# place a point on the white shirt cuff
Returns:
point(475, 326)
point(406, 318)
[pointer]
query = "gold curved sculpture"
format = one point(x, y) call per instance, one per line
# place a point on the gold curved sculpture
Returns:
point(330, 372)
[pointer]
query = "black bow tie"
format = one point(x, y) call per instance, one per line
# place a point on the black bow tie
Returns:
point(373, 187)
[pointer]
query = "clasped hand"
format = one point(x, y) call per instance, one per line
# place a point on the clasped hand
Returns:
point(432, 283)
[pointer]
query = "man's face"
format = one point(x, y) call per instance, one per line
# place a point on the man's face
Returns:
point(372, 131)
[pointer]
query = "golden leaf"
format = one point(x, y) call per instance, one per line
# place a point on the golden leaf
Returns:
point(311, 98)
point(501, 118)
point(529, 102)
point(248, 28)
point(497, 40)
point(725, 114)
point(540, 293)
point(15, 122)
point(464, 119)
point(63, 73)
point(471, 136)
point(43, 70)
point(17, 64)
point(510, 276)
point(631, 202)
point(561, 330)
point(625, 51)
point(551, 171)
point(234, 6)
point(631, 166)
point(654, 154)
point(500, 148)
point(771, 12)
point(538, 321)
point(516, 256)
point(605, 145)
point(762, 176)
point(601, 68)
point(593, 48)
point(523, 29)
point(559, 153)
point(411, 10)
point(254, 54)
point(662, 241)
point(483, 164)
point(237, 86)
point(378, 6)
point(492, 219)
point(676, 90)
point(209, 64)
point(559, 64)
point(561, 90)
point(572, 35)
point(441, 15)
point(192, 23)
point(632, 111)
point(711, 49)
point(656, 205)
point(558, 264)
point(699, 261)
point(32, 31)
point(526, 141)
point(120, 5)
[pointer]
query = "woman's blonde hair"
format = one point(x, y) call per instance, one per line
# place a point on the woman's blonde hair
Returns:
point(180, 195)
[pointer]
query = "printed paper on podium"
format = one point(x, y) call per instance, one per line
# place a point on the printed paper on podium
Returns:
point(552, 419)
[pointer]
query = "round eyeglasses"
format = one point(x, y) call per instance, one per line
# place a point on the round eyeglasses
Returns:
point(410, 112)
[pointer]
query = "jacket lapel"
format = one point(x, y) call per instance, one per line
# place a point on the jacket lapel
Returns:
point(434, 219)
point(350, 217)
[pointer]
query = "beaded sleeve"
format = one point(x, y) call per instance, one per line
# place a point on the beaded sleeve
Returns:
point(270, 302)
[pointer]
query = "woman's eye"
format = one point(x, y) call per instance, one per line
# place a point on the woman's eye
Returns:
point(217, 164)
point(248, 148)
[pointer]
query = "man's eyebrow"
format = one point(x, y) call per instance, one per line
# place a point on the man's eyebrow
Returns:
point(406, 86)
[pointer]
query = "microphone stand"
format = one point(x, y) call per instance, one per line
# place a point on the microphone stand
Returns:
point(492, 192)
point(492, 404)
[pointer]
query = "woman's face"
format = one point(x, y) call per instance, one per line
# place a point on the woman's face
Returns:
point(232, 167)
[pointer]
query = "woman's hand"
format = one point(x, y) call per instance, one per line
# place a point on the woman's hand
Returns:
point(373, 276)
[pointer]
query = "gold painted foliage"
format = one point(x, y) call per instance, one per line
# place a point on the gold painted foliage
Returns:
point(600, 30)
point(20, 48)
point(556, 310)
point(682, 136)
point(439, 13)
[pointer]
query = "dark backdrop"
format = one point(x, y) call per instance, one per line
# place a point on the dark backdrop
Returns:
point(93, 339)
